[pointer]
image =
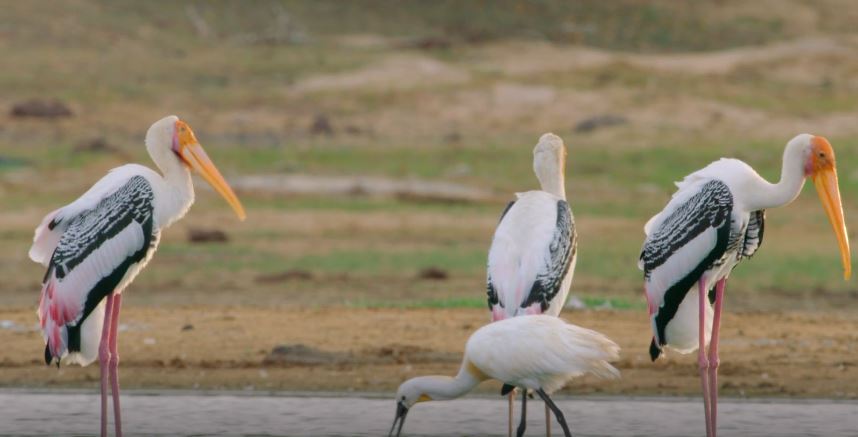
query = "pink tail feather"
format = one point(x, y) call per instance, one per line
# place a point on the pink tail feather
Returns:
point(53, 316)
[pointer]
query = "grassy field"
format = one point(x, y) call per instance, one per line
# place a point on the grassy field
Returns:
point(446, 91)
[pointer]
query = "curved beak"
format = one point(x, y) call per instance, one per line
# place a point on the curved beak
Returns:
point(185, 144)
point(401, 412)
point(828, 189)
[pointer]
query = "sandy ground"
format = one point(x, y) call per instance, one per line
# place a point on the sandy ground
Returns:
point(791, 354)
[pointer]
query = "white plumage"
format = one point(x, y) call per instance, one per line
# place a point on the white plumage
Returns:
point(95, 246)
point(537, 352)
point(172, 196)
point(739, 179)
point(520, 253)
point(532, 257)
point(78, 233)
point(534, 249)
point(715, 220)
point(540, 352)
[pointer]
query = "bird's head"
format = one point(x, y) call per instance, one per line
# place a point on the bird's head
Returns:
point(172, 139)
point(820, 167)
point(549, 163)
point(409, 393)
point(549, 154)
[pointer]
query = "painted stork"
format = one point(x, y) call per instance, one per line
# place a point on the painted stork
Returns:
point(535, 352)
point(715, 220)
point(532, 256)
point(95, 246)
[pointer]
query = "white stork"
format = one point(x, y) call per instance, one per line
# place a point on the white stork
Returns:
point(532, 257)
point(95, 246)
point(715, 220)
point(535, 352)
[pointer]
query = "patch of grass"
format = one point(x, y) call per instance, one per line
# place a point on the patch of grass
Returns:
point(428, 159)
point(614, 303)
point(372, 261)
point(627, 24)
point(480, 302)
point(365, 204)
point(792, 273)
point(449, 302)
point(750, 86)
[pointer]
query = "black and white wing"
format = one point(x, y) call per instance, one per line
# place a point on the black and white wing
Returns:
point(684, 241)
point(754, 233)
point(95, 250)
point(491, 292)
point(532, 257)
point(564, 245)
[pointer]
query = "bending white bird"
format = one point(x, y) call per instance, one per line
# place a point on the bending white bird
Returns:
point(533, 252)
point(95, 246)
point(540, 353)
point(715, 220)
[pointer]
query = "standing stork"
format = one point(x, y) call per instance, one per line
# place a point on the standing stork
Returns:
point(715, 220)
point(532, 257)
point(95, 246)
point(535, 352)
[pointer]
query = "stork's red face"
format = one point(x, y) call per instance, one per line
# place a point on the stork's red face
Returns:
point(820, 168)
point(191, 153)
point(821, 157)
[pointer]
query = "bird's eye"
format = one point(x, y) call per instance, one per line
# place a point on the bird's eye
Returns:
point(822, 154)
point(403, 398)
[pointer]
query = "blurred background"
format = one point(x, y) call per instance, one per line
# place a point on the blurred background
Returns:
point(375, 145)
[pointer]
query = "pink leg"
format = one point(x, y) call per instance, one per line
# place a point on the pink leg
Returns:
point(702, 363)
point(103, 358)
point(713, 354)
point(114, 363)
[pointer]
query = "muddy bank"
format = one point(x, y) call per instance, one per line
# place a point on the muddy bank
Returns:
point(780, 354)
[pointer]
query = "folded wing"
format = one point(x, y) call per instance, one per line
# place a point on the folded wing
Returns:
point(93, 254)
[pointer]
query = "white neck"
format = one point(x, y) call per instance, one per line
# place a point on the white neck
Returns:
point(441, 388)
point(177, 194)
point(767, 195)
point(553, 182)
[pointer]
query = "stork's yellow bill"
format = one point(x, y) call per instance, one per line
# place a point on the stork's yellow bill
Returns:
point(187, 147)
point(823, 172)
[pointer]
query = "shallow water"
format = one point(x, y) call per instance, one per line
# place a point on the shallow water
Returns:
point(235, 414)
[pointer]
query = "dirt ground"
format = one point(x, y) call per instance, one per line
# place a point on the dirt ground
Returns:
point(785, 354)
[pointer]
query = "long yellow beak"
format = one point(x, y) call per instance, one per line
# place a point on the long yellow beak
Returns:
point(829, 193)
point(197, 158)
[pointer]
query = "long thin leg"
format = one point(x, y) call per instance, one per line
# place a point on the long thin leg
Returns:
point(702, 363)
point(511, 398)
point(557, 413)
point(547, 421)
point(114, 363)
point(103, 358)
point(713, 355)
point(522, 425)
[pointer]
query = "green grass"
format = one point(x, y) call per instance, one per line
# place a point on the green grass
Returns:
point(367, 204)
point(450, 257)
point(449, 302)
point(375, 260)
point(651, 25)
point(794, 273)
point(613, 303)
point(480, 302)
